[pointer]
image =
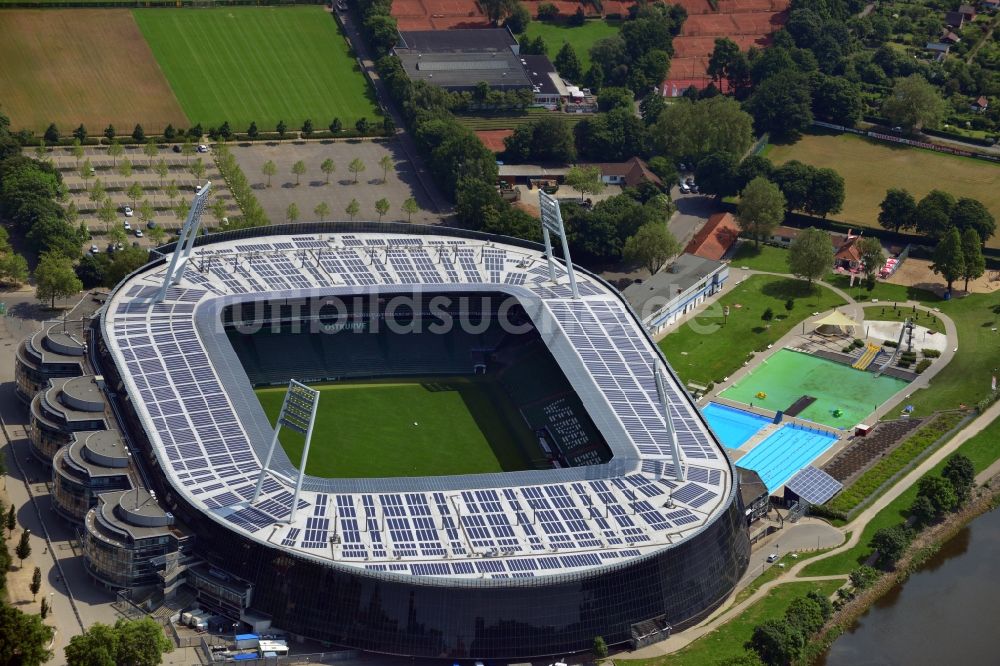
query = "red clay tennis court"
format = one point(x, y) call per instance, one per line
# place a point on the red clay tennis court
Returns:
point(493, 139)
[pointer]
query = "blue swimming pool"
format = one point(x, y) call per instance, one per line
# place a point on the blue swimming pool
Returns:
point(785, 452)
point(733, 426)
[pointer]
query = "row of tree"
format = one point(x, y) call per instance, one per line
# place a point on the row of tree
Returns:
point(935, 215)
point(783, 641)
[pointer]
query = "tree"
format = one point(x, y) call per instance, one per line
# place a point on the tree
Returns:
point(726, 51)
point(77, 151)
point(125, 169)
point(388, 125)
point(651, 246)
point(353, 208)
point(923, 511)
point(252, 131)
point(298, 169)
point(767, 317)
point(822, 602)
point(716, 175)
point(497, 10)
point(914, 103)
point(748, 658)
point(115, 150)
point(36, 583)
point(751, 167)
point(600, 647)
point(777, 642)
point(107, 213)
point(361, 125)
point(43, 610)
point(55, 278)
point(548, 139)
point(971, 214)
point(810, 255)
point(838, 100)
point(805, 614)
point(150, 150)
point(567, 63)
point(864, 577)
point(386, 163)
point(974, 264)
point(826, 192)
point(109, 132)
point(410, 207)
point(23, 549)
point(171, 190)
point(85, 170)
point(782, 104)
point(40, 149)
point(157, 235)
point(138, 134)
point(940, 492)
point(292, 212)
point(307, 128)
point(146, 212)
point(585, 180)
point(11, 521)
point(761, 208)
point(128, 642)
point(689, 130)
point(51, 134)
point(949, 261)
point(961, 473)
point(96, 192)
point(872, 256)
point(321, 210)
point(356, 167)
point(281, 128)
point(162, 170)
point(336, 126)
point(932, 216)
point(117, 235)
point(187, 149)
point(381, 207)
point(897, 210)
point(518, 19)
point(269, 169)
point(13, 270)
point(80, 133)
point(169, 133)
point(23, 638)
point(218, 209)
point(328, 167)
point(133, 192)
point(891, 543)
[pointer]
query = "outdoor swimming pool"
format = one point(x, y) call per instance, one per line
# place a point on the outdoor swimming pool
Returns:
point(785, 452)
point(733, 426)
point(788, 375)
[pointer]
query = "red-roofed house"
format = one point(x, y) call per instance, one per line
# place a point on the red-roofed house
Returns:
point(981, 104)
point(715, 238)
point(628, 173)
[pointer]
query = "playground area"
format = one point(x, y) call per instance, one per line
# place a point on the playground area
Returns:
point(814, 389)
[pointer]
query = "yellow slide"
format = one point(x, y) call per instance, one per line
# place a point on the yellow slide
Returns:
point(866, 359)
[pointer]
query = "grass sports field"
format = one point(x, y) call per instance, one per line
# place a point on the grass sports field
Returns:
point(89, 66)
point(581, 37)
point(431, 427)
point(258, 64)
point(870, 168)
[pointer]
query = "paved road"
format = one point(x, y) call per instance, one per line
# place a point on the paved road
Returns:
point(693, 211)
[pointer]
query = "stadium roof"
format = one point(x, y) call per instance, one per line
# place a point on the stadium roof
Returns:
point(209, 432)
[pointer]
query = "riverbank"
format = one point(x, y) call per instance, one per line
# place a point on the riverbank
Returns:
point(927, 543)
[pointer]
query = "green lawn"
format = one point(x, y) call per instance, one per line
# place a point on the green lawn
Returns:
point(983, 450)
point(581, 37)
point(761, 258)
point(396, 428)
point(888, 313)
point(515, 120)
point(883, 291)
point(727, 641)
point(870, 168)
point(260, 64)
point(705, 350)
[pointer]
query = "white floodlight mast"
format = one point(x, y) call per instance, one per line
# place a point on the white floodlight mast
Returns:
point(185, 242)
point(675, 449)
point(552, 222)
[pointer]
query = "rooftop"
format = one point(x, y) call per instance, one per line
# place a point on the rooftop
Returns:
point(464, 71)
point(686, 271)
point(209, 432)
point(474, 40)
point(715, 238)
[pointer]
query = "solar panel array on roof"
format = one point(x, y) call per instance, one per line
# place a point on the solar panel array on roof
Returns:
point(515, 531)
point(814, 485)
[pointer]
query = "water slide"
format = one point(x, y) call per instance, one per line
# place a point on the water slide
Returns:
point(895, 352)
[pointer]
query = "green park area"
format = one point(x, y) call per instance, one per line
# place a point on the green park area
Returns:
point(258, 64)
point(712, 346)
point(886, 312)
point(432, 427)
point(871, 167)
point(580, 37)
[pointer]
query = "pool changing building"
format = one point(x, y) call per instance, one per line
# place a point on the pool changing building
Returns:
point(663, 298)
point(502, 566)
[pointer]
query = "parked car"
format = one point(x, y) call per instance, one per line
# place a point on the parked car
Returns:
point(202, 148)
point(127, 211)
point(176, 148)
point(198, 188)
point(138, 233)
point(128, 226)
point(772, 558)
point(94, 249)
point(693, 186)
point(684, 187)
point(151, 225)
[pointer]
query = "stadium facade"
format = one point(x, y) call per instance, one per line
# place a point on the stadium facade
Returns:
point(621, 544)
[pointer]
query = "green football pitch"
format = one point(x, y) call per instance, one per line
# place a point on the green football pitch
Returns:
point(418, 427)
point(260, 64)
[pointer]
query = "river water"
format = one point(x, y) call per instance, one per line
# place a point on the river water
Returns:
point(948, 612)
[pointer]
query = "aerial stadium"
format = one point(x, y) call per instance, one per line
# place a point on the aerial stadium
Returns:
point(553, 503)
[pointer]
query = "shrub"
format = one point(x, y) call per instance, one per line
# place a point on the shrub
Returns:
point(858, 342)
point(889, 343)
point(848, 349)
point(930, 353)
point(709, 387)
point(923, 365)
point(547, 11)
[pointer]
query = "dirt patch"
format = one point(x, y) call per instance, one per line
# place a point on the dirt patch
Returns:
point(89, 66)
point(918, 273)
point(493, 139)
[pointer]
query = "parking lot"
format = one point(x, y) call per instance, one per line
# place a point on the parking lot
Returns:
point(400, 182)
